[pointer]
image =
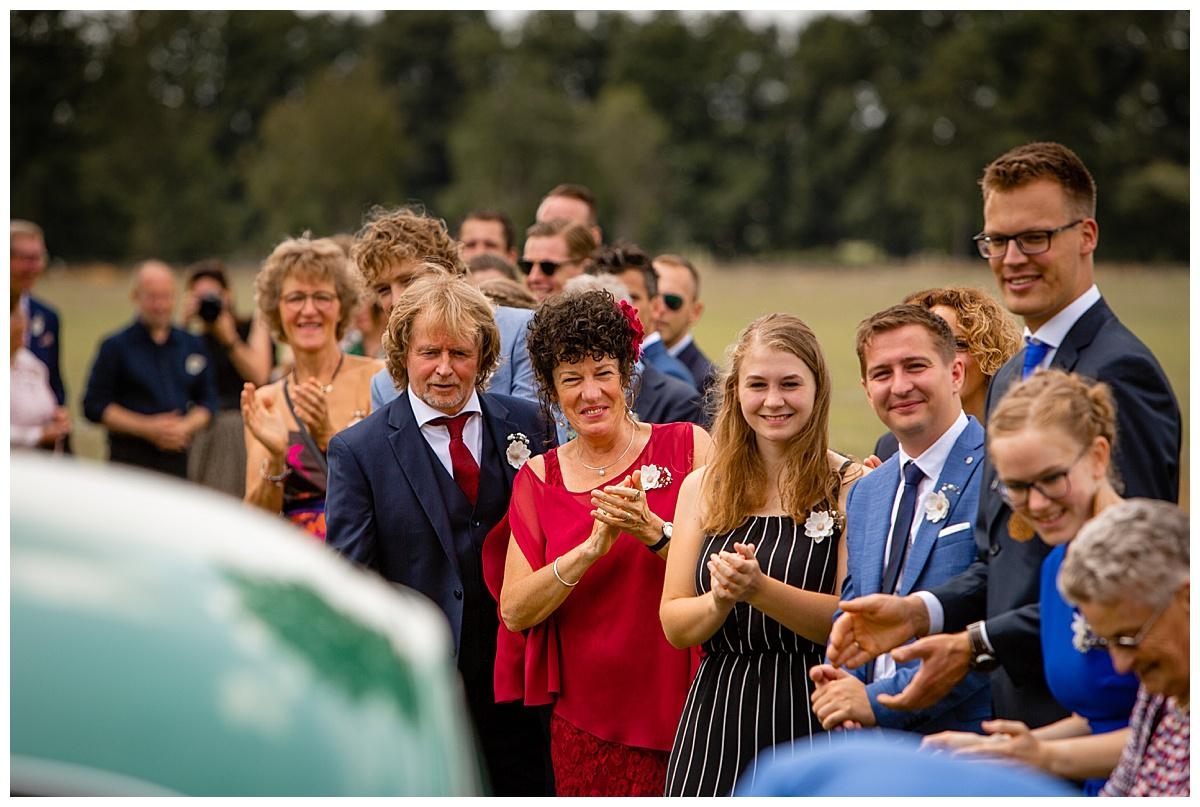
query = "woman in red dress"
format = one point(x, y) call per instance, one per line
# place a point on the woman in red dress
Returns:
point(582, 572)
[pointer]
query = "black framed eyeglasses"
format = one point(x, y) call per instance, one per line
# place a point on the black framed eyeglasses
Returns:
point(1054, 486)
point(673, 301)
point(548, 268)
point(1030, 242)
point(1129, 642)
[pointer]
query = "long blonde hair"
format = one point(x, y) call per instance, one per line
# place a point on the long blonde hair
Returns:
point(735, 483)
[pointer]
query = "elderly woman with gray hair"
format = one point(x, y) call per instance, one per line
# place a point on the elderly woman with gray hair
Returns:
point(1128, 574)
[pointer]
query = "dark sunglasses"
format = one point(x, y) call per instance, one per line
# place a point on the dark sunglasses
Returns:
point(548, 267)
point(673, 301)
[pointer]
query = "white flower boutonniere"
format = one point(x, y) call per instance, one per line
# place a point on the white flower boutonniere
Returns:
point(655, 477)
point(518, 450)
point(1081, 633)
point(937, 507)
point(820, 524)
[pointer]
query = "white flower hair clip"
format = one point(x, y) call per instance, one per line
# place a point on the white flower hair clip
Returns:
point(518, 452)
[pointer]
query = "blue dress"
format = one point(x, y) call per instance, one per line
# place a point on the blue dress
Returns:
point(1085, 683)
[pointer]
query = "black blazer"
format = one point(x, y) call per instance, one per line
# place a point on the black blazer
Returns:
point(43, 342)
point(663, 399)
point(703, 370)
point(1002, 584)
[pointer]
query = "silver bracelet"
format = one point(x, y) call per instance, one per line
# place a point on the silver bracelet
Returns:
point(278, 480)
point(559, 576)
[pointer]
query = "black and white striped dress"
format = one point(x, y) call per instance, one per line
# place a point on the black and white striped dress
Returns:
point(752, 689)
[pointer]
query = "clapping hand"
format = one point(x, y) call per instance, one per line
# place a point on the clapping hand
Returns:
point(624, 507)
point(308, 399)
point(264, 421)
point(736, 573)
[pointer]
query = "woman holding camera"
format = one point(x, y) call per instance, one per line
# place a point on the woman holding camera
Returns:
point(241, 350)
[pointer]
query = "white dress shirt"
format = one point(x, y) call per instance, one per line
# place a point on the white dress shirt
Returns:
point(438, 436)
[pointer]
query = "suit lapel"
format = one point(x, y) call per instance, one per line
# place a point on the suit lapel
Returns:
point(963, 462)
point(879, 522)
point(1081, 335)
point(498, 428)
point(413, 456)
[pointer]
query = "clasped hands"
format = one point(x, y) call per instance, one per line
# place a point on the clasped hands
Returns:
point(623, 508)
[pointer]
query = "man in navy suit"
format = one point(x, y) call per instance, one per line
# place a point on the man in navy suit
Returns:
point(909, 522)
point(1039, 236)
point(415, 488)
point(679, 284)
point(396, 246)
point(27, 261)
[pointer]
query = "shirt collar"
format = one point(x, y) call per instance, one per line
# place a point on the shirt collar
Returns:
point(933, 459)
point(424, 413)
point(681, 345)
point(651, 339)
point(1055, 330)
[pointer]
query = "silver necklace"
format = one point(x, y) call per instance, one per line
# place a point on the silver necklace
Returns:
point(601, 469)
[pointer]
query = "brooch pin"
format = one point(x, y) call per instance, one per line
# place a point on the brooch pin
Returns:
point(518, 452)
point(655, 477)
point(820, 524)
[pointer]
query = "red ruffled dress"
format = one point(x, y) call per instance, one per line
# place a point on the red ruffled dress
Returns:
point(601, 658)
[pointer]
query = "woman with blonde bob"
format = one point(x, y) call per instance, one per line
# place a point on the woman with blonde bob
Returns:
point(1050, 440)
point(306, 291)
point(758, 558)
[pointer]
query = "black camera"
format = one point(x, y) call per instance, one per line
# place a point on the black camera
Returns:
point(210, 308)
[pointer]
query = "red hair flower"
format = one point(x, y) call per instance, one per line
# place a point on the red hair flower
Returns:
point(635, 325)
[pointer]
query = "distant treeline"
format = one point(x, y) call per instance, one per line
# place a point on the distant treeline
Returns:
point(182, 134)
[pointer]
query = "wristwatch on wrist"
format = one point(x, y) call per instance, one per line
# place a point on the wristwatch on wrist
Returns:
point(982, 659)
point(668, 528)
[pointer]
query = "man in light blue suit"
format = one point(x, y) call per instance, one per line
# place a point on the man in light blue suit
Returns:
point(393, 248)
point(909, 523)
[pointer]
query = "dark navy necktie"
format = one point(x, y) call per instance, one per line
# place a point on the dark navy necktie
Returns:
point(466, 469)
point(1035, 351)
point(902, 526)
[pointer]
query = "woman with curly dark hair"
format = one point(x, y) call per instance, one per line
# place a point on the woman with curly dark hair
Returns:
point(590, 530)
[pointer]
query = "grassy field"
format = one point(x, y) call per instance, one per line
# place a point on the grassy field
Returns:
point(1153, 302)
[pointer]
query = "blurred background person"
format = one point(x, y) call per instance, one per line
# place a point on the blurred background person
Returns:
point(758, 560)
point(487, 232)
point(555, 251)
point(985, 336)
point(1050, 440)
point(240, 350)
point(487, 266)
point(151, 384)
point(306, 291)
point(27, 261)
point(364, 337)
point(1128, 574)
point(591, 524)
point(679, 284)
point(507, 293)
point(396, 246)
point(35, 417)
point(629, 264)
point(571, 202)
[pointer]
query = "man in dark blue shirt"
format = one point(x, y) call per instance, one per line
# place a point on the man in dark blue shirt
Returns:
point(151, 384)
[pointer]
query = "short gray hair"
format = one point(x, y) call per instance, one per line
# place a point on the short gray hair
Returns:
point(609, 283)
point(1137, 550)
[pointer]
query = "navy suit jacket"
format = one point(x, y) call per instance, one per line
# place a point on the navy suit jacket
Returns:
point(44, 342)
point(1002, 584)
point(939, 552)
point(384, 507)
point(663, 399)
point(703, 371)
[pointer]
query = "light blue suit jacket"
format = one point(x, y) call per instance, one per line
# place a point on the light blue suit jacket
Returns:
point(940, 551)
point(513, 377)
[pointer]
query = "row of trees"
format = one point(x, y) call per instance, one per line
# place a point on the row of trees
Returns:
point(182, 134)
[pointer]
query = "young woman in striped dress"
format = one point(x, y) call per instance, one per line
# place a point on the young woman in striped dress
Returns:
point(757, 559)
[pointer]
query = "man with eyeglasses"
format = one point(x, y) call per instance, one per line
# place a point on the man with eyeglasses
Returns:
point(486, 232)
point(151, 384)
point(393, 248)
point(1040, 234)
point(679, 284)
